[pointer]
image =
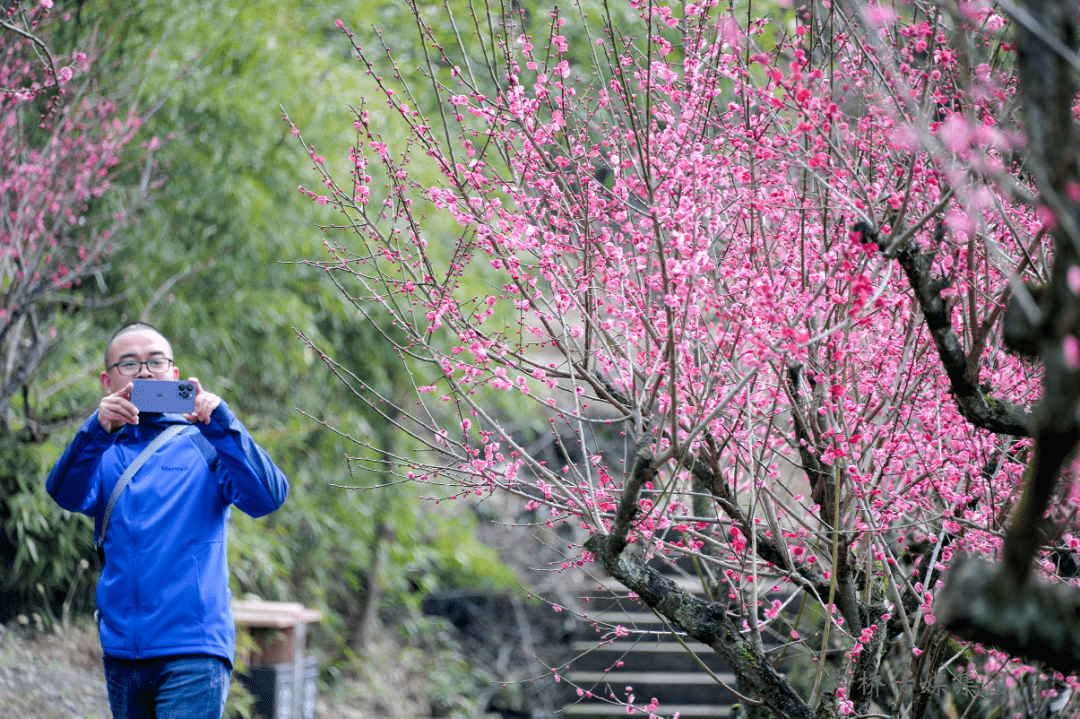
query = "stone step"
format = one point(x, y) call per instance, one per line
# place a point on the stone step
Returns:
point(599, 602)
point(648, 629)
point(644, 656)
point(689, 583)
point(593, 709)
point(649, 659)
point(684, 688)
point(628, 616)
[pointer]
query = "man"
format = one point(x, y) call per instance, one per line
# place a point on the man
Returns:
point(163, 598)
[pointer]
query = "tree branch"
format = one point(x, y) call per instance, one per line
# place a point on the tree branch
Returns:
point(994, 415)
point(642, 471)
point(11, 27)
point(704, 621)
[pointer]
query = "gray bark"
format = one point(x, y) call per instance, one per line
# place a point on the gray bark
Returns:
point(704, 621)
point(993, 414)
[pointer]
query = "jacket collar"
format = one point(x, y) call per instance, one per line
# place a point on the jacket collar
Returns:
point(150, 425)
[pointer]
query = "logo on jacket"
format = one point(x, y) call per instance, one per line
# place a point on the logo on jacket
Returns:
point(173, 469)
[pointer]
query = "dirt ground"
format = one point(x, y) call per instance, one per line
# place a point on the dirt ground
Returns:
point(50, 676)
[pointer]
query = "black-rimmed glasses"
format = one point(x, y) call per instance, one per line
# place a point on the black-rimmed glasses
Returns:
point(131, 367)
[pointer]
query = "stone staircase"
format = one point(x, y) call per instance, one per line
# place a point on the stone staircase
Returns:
point(648, 659)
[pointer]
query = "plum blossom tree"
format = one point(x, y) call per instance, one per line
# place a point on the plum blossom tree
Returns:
point(755, 271)
point(61, 139)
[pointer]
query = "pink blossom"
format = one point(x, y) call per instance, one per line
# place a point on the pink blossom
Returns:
point(1070, 346)
point(955, 133)
point(1073, 278)
point(879, 15)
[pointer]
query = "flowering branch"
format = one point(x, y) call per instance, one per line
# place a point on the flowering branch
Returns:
point(659, 247)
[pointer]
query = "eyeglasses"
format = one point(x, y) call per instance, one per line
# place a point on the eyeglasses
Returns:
point(131, 367)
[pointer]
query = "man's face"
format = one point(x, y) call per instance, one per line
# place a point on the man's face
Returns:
point(140, 345)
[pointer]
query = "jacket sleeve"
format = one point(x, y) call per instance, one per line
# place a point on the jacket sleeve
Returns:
point(247, 476)
point(72, 480)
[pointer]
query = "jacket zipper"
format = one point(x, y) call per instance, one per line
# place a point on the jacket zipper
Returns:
point(135, 572)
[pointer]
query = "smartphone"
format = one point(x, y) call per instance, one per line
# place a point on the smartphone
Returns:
point(156, 395)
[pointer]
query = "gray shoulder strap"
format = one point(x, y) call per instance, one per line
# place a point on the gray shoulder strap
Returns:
point(202, 444)
point(170, 432)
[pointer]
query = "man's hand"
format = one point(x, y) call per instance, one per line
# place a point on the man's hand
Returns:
point(205, 404)
point(115, 410)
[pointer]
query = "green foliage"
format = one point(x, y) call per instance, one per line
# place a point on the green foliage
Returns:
point(240, 703)
point(41, 545)
point(453, 683)
point(319, 547)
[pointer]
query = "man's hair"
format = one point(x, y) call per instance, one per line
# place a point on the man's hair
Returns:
point(130, 327)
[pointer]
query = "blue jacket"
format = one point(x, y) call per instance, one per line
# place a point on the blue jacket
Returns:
point(165, 586)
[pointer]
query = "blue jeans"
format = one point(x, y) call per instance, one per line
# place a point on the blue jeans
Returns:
point(181, 687)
